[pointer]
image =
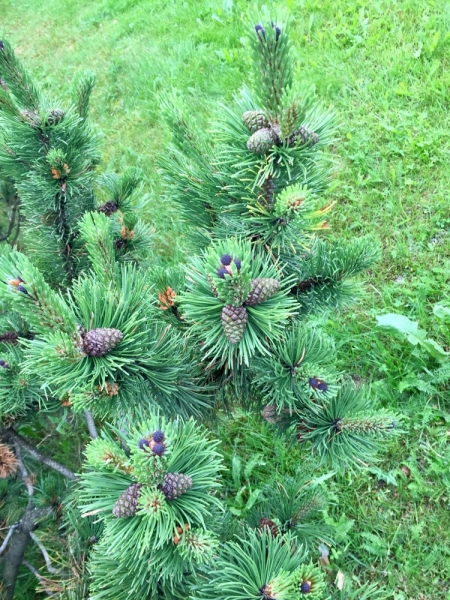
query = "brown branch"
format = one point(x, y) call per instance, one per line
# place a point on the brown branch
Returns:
point(14, 437)
point(21, 532)
point(19, 542)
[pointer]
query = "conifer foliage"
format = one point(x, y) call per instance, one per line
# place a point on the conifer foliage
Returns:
point(93, 321)
point(157, 506)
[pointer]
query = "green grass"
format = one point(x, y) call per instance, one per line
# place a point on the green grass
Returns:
point(384, 65)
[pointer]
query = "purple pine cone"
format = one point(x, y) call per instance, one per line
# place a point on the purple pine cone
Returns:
point(305, 588)
point(277, 30)
point(226, 259)
point(158, 436)
point(159, 449)
point(260, 31)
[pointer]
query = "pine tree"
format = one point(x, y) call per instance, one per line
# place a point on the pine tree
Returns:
point(94, 323)
point(251, 191)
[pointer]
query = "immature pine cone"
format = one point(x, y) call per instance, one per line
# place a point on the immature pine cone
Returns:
point(262, 141)
point(126, 505)
point(55, 116)
point(175, 485)
point(261, 290)
point(100, 341)
point(270, 525)
point(108, 208)
point(234, 321)
point(9, 337)
point(302, 136)
point(254, 120)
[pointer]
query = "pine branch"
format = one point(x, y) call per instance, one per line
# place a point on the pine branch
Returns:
point(23, 471)
point(22, 531)
point(17, 547)
point(8, 537)
point(24, 285)
point(39, 576)
point(84, 84)
point(13, 436)
point(96, 232)
point(17, 79)
point(91, 425)
point(42, 548)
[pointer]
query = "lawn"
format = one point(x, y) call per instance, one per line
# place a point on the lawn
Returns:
point(384, 67)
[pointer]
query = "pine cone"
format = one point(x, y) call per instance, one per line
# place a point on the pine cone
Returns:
point(308, 579)
point(100, 341)
point(261, 290)
point(158, 436)
point(234, 321)
point(269, 524)
point(108, 208)
point(302, 136)
point(55, 116)
point(175, 485)
point(8, 461)
point(254, 120)
point(305, 587)
point(126, 505)
point(262, 141)
point(9, 337)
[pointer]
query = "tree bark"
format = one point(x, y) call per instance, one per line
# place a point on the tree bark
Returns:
point(19, 542)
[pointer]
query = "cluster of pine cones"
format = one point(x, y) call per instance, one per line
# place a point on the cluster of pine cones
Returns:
point(234, 318)
point(155, 443)
point(53, 117)
point(173, 486)
point(266, 134)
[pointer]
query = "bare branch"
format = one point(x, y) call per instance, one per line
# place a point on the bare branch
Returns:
point(37, 454)
point(8, 537)
point(23, 471)
point(48, 562)
point(18, 543)
point(39, 576)
point(91, 425)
